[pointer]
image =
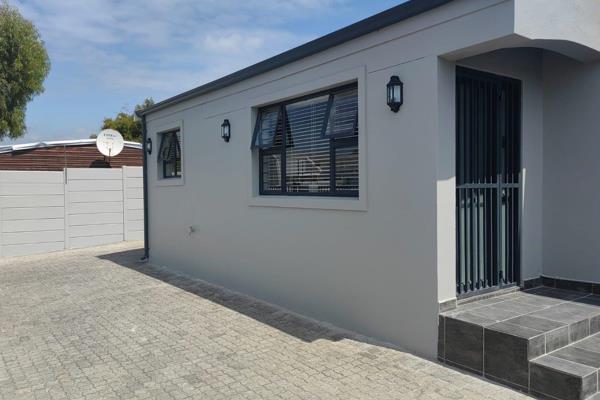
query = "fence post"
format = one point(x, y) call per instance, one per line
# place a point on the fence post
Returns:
point(124, 174)
point(66, 206)
point(1, 212)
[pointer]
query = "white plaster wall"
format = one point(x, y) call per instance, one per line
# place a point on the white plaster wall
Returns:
point(446, 180)
point(571, 27)
point(571, 169)
point(525, 64)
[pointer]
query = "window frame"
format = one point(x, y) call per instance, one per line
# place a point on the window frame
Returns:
point(164, 162)
point(335, 142)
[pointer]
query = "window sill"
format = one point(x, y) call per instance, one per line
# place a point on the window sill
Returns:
point(308, 202)
point(170, 182)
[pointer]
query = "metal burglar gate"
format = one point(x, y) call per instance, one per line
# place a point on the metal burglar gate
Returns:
point(488, 165)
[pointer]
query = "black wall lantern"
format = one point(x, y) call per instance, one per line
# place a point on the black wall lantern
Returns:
point(149, 145)
point(395, 95)
point(226, 131)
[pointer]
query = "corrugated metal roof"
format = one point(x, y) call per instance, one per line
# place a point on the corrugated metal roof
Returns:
point(58, 143)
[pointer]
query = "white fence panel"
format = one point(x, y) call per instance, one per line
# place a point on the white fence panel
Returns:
point(133, 200)
point(93, 187)
point(44, 211)
point(32, 212)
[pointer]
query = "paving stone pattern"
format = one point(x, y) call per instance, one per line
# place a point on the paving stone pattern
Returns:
point(98, 324)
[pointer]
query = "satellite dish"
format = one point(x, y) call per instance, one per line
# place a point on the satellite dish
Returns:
point(109, 142)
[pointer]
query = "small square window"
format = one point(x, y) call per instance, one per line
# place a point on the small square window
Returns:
point(169, 155)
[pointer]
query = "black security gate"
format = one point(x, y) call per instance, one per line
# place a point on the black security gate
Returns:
point(488, 166)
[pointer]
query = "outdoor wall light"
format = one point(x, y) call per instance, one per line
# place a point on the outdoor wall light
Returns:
point(149, 145)
point(395, 96)
point(226, 131)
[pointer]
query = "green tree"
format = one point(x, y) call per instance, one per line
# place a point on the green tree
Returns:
point(127, 124)
point(24, 65)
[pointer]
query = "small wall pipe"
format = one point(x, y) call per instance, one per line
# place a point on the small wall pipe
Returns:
point(145, 184)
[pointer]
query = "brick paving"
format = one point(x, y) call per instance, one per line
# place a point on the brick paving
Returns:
point(97, 324)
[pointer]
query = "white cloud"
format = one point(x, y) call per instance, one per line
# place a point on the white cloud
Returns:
point(233, 42)
point(165, 46)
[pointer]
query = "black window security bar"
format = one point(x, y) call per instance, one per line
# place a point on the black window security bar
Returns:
point(169, 154)
point(488, 165)
point(309, 146)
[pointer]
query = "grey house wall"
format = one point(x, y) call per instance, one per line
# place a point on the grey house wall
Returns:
point(379, 264)
point(368, 264)
point(571, 169)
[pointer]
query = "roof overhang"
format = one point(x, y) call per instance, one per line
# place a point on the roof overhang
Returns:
point(376, 22)
point(571, 28)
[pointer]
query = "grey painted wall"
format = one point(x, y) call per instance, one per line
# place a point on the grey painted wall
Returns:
point(571, 168)
point(378, 264)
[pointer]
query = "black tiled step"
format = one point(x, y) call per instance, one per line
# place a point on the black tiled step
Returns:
point(558, 378)
point(523, 340)
point(568, 373)
point(507, 351)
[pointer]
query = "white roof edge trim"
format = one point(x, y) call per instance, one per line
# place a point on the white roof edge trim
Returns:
point(58, 143)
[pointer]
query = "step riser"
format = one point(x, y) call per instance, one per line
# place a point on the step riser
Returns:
point(463, 343)
point(506, 359)
point(489, 340)
point(551, 384)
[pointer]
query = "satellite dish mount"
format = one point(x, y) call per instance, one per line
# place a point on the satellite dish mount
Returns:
point(110, 143)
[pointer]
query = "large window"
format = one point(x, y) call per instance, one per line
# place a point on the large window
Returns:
point(169, 155)
point(309, 146)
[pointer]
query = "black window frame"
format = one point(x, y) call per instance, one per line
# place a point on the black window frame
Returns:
point(163, 162)
point(335, 142)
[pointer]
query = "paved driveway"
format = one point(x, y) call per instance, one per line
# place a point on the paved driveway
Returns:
point(96, 324)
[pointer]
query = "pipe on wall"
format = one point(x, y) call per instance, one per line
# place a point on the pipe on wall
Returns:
point(145, 184)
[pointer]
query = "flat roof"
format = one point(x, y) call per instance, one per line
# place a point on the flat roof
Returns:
point(376, 22)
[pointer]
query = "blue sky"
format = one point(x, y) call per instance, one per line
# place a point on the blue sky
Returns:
point(108, 55)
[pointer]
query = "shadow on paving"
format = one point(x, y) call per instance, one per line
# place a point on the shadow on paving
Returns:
point(301, 328)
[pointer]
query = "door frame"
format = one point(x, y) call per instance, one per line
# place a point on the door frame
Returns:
point(473, 72)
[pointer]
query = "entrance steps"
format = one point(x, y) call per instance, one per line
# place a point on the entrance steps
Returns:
point(543, 341)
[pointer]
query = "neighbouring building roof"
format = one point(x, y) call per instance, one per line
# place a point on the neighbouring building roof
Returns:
point(60, 154)
point(376, 22)
point(57, 143)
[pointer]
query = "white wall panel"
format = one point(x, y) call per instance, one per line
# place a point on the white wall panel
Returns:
point(101, 207)
point(40, 211)
point(7, 214)
point(89, 189)
point(74, 174)
point(19, 189)
point(33, 237)
point(133, 216)
point(95, 197)
point(32, 225)
point(31, 212)
point(29, 177)
point(31, 248)
point(32, 201)
point(87, 241)
point(96, 219)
